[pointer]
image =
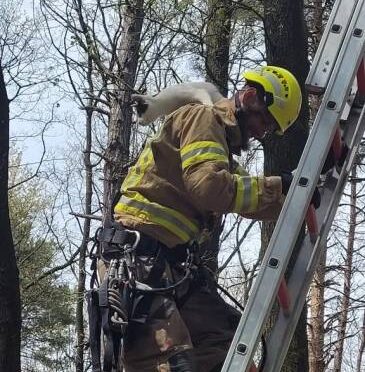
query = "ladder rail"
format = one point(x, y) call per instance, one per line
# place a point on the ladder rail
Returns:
point(330, 45)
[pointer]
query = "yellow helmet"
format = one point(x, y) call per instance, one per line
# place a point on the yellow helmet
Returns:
point(282, 93)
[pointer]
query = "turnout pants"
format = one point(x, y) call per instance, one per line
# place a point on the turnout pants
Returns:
point(192, 320)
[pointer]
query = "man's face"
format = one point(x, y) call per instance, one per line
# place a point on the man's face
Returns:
point(254, 119)
point(260, 123)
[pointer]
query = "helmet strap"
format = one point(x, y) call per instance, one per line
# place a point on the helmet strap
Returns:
point(241, 117)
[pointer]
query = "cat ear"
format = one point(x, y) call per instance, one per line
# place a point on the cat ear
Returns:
point(140, 104)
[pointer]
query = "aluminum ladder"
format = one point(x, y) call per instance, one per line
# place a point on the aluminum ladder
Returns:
point(338, 73)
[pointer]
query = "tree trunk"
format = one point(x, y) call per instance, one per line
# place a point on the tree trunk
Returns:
point(80, 326)
point(362, 345)
point(316, 328)
point(345, 299)
point(119, 129)
point(217, 39)
point(217, 42)
point(286, 45)
point(80, 321)
point(10, 318)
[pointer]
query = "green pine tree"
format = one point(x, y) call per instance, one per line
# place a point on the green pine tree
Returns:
point(47, 304)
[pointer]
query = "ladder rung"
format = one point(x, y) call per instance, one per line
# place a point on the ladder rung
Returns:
point(361, 78)
point(312, 224)
point(253, 368)
point(337, 145)
point(284, 297)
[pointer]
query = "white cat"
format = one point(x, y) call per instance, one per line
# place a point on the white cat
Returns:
point(149, 108)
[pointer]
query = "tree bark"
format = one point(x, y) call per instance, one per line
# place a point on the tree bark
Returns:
point(345, 299)
point(120, 122)
point(316, 327)
point(217, 39)
point(80, 321)
point(10, 317)
point(316, 323)
point(217, 42)
point(287, 46)
point(362, 345)
point(80, 326)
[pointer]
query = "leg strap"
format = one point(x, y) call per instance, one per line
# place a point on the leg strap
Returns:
point(94, 329)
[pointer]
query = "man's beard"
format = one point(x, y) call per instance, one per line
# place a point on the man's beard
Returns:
point(241, 116)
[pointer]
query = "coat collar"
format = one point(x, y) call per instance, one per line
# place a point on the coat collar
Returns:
point(225, 109)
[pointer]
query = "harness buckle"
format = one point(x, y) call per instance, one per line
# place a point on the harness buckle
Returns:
point(137, 238)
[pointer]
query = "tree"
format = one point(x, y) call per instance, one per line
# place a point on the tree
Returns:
point(10, 320)
point(101, 61)
point(286, 45)
point(217, 39)
point(216, 62)
point(18, 75)
point(348, 275)
point(362, 345)
point(316, 329)
point(46, 299)
point(119, 128)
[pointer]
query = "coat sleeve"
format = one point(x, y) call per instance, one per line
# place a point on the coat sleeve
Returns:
point(205, 167)
point(270, 212)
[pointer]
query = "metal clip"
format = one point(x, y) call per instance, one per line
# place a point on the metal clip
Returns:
point(138, 238)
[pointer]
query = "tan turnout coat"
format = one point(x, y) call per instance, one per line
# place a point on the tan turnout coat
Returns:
point(185, 175)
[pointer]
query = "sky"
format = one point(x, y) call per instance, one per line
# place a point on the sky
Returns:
point(60, 115)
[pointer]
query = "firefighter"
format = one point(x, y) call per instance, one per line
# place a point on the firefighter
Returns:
point(184, 178)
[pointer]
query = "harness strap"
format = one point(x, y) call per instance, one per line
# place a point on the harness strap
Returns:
point(112, 338)
point(143, 301)
point(157, 269)
point(113, 235)
point(94, 329)
point(108, 341)
point(94, 274)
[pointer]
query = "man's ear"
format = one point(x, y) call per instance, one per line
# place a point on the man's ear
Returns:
point(249, 97)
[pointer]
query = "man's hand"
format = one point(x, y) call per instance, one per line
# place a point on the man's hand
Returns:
point(286, 180)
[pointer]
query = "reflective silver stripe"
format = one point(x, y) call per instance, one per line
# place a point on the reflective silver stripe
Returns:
point(203, 150)
point(244, 191)
point(239, 194)
point(279, 101)
point(156, 210)
point(247, 193)
point(274, 82)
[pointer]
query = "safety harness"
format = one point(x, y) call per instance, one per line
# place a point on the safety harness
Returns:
point(118, 298)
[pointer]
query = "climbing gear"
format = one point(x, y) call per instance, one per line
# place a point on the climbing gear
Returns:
point(118, 300)
point(109, 305)
point(282, 94)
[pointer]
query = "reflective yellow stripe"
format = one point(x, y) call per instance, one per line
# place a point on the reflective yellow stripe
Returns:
point(136, 205)
point(201, 151)
point(239, 194)
point(136, 172)
point(241, 171)
point(246, 194)
point(254, 193)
